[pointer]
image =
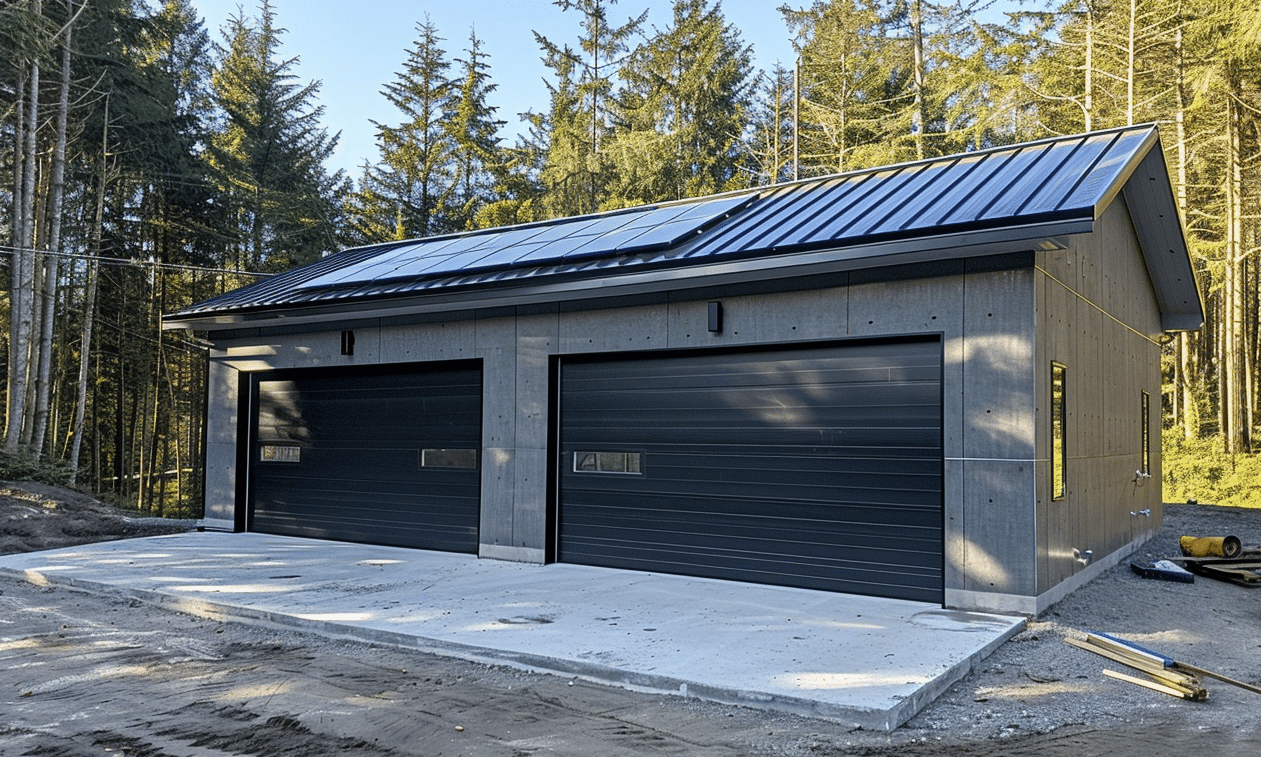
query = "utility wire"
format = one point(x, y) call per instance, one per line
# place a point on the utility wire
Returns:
point(7, 250)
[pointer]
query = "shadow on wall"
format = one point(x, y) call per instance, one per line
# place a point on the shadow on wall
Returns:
point(999, 396)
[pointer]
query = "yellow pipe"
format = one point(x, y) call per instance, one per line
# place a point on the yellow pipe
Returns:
point(1210, 546)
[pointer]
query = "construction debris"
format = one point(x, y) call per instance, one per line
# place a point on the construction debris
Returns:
point(1185, 686)
point(1245, 571)
point(1166, 674)
point(1163, 570)
point(1210, 546)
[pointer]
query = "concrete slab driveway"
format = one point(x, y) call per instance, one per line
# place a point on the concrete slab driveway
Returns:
point(870, 663)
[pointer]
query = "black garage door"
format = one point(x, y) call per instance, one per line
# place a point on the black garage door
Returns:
point(383, 458)
point(817, 467)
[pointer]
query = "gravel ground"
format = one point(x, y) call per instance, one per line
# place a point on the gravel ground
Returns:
point(1036, 683)
point(82, 674)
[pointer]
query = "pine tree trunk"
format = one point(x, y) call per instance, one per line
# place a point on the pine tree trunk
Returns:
point(1088, 90)
point(89, 310)
point(1232, 348)
point(917, 42)
point(56, 190)
point(22, 294)
point(1184, 403)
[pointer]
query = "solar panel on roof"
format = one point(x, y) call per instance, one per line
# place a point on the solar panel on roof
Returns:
point(707, 211)
point(660, 228)
point(539, 244)
point(660, 215)
point(487, 245)
point(359, 271)
point(557, 248)
point(664, 235)
point(562, 230)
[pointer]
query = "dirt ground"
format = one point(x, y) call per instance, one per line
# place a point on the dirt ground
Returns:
point(89, 674)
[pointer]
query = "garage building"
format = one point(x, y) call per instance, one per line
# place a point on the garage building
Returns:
point(936, 381)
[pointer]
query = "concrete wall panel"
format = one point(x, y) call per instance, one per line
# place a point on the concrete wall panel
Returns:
point(762, 319)
point(908, 306)
point(536, 341)
point(645, 327)
point(499, 475)
point(956, 525)
point(529, 503)
point(425, 342)
point(688, 322)
point(495, 344)
point(998, 402)
point(311, 350)
point(220, 484)
point(494, 341)
point(999, 538)
point(223, 395)
point(796, 316)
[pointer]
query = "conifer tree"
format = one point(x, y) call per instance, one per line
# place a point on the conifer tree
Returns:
point(269, 151)
point(577, 169)
point(847, 85)
point(571, 172)
point(769, 149)
point(473, 131)
point(411, 192)
point(684, 111)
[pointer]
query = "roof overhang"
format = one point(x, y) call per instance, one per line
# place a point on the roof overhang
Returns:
point(1149, 198)
point(531, 291)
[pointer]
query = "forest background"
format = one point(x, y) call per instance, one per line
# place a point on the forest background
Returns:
point(147, 164)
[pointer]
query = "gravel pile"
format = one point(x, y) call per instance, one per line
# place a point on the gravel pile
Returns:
point(38, 516)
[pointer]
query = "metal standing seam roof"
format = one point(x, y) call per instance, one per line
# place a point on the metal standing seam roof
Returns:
point(956, 206)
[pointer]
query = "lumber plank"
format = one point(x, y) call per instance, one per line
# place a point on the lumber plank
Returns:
point(1172, 691)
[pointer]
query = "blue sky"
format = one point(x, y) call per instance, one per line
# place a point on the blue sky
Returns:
point(355, 46)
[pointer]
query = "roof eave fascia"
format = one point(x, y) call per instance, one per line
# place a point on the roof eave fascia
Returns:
point(1050, 235)
point(1162, 241)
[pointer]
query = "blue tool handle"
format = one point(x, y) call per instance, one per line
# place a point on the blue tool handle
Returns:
point(1168, 662)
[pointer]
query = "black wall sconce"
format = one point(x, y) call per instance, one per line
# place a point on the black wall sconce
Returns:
point(715, 317)
point(348, 342)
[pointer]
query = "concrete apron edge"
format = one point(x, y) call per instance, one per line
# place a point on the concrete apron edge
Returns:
point(924, 695)
point(854, 717)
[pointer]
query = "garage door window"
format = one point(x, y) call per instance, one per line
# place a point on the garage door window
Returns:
point(279, 453)
point(448, 458)
point(609, 462)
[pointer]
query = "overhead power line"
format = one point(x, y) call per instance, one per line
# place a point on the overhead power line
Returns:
point(7, 250)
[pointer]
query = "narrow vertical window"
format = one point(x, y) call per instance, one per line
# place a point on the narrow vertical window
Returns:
point(1146, 426)
point(1059, 467)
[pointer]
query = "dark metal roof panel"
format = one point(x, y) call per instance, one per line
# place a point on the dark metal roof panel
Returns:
point(1068, 179)
point(1056, 188)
